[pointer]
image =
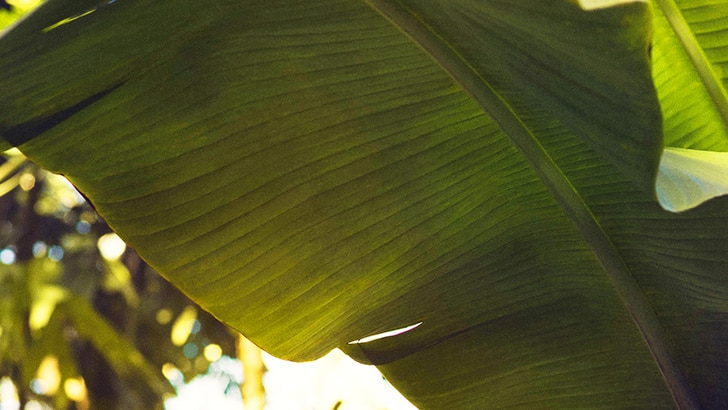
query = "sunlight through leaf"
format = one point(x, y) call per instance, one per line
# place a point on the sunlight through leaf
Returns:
point(688, 177)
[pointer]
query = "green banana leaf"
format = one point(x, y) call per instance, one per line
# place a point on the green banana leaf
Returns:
point(691, 73)
point(481, 173)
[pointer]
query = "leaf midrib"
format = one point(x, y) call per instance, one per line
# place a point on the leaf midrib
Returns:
point(694, 50)
point(558, 184)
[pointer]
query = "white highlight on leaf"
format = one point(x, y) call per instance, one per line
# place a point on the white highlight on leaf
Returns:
point(688, 177)
point(390, 333)
point(602, 4)
point(68, 20)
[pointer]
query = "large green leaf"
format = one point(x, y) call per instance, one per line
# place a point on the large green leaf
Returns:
point(316, 172)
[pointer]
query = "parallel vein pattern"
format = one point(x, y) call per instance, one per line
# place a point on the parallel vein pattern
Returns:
point(691, 72)
point(310, 175)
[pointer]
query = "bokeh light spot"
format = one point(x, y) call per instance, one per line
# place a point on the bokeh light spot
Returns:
point(27, 181)
point(7, 256)
point(111, 246)
point(55, 253)
point(190, 350)
point(75, 389)
point(39, 249)
point(196, 326)
point(164, 316)
point(173, 374)
point(182, 327)
point(83, 227)
point(212, 352)
point(48, 378)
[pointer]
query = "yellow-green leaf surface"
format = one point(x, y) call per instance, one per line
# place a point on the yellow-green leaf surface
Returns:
point(691, 72)
point(690, 68)
point(314, 173)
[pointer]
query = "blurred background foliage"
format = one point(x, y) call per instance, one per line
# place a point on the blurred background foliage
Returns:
point(84, 322)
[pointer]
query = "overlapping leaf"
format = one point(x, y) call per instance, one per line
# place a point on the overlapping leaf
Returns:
point(691, 76)
point(316, 172)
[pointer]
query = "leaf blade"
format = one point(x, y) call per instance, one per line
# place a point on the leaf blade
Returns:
point(313, 165)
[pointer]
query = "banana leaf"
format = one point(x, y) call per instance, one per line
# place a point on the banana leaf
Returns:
point(481, 173)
